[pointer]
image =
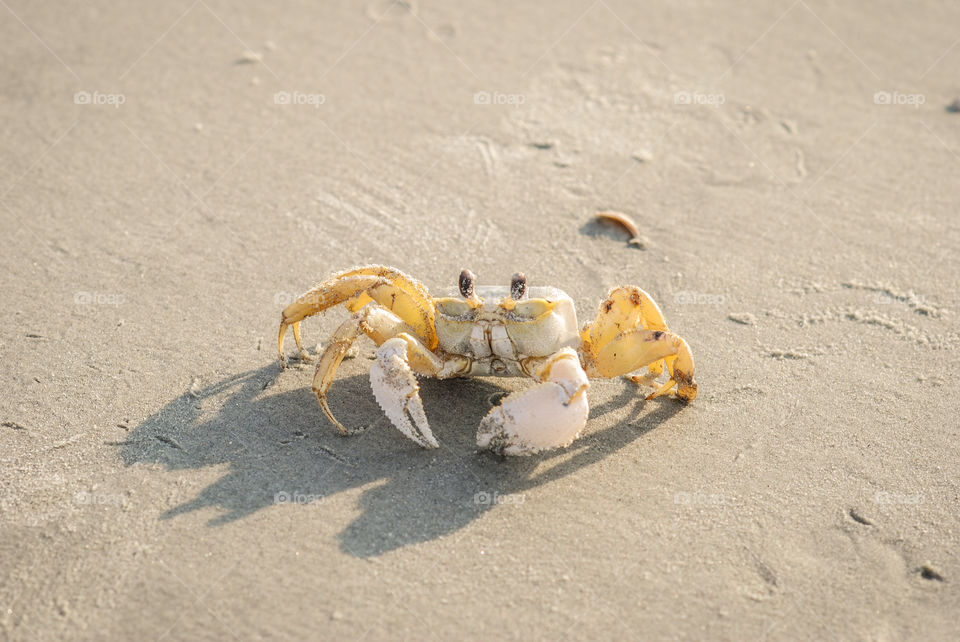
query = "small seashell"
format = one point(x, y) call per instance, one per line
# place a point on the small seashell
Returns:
point(636, 239)
point(622, 219)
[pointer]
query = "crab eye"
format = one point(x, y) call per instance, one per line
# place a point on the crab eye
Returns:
point(518, 286)
point(467, 280)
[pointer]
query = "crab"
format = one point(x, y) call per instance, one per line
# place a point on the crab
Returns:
point(504, 331)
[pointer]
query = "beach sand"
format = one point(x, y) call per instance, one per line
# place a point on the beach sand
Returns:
point(172, 174)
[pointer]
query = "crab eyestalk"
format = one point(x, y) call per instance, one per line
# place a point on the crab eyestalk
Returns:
point(467, 282)
point(518, 286)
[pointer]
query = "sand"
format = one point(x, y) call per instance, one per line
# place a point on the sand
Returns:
point(173, 173)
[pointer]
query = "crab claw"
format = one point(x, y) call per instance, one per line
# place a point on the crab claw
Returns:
point(395, 387)
point(549, 415)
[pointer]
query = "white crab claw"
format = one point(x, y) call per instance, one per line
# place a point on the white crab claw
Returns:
point(533, 420)
point(395, 387)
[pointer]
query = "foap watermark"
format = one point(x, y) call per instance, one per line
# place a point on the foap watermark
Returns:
point(898, 98)
point(697, 498)
point(884, 497)
point(99, 298)
point(299, 98)
point(99, 98)
point(685, 297)
point(698, 98)
point(486, 498)
point(497, 98)
point(285, 497)
point(284, 298)
point(307, 298)
point(94, 498)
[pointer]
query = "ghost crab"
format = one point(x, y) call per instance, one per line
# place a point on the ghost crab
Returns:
point(491, 331)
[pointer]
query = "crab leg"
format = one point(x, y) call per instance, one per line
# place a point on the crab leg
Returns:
point(377, 323)
point(396, 389)
point(633, 350)
point(392, 289)
point(626, 308)
point(549, 415)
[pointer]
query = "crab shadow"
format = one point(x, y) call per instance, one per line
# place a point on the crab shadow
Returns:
point(281, 449)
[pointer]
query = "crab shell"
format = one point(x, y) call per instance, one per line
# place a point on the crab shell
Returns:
point(497, 332)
